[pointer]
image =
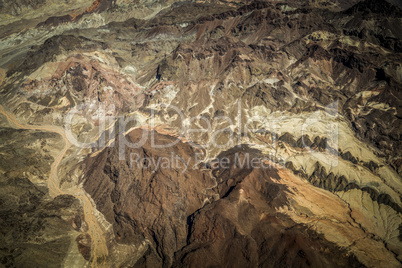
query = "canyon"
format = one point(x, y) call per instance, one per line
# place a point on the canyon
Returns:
point(200, 133)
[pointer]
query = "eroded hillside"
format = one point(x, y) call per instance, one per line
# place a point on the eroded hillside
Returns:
point(201, 133)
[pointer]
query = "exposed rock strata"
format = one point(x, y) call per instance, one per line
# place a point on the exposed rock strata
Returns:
point(313, 87)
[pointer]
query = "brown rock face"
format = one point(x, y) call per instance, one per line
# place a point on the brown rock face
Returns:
point(312, 87)
point(147, 200)
point(244, 229)
point(143, 198)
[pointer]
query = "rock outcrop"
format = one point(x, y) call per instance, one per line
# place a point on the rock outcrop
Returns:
point(301, 100)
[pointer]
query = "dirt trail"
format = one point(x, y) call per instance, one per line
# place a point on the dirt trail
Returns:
point(99, 249)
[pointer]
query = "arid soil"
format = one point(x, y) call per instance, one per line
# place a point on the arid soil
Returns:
point(309, 92)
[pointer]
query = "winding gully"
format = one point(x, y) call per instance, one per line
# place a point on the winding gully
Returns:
point(99, 249)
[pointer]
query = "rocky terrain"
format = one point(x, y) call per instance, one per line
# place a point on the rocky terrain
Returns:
point(201, 133)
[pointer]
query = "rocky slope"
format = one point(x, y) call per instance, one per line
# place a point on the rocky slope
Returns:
point(32, 223)
point(311, 90)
